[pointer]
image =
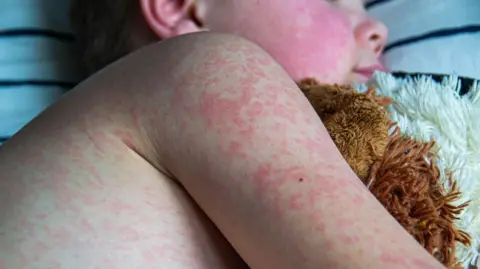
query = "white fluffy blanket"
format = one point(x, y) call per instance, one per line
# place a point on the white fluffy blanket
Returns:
point(426, 110)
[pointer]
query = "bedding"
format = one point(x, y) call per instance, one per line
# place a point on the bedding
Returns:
point(444, 109)
point(431, 36)
point(38, 61)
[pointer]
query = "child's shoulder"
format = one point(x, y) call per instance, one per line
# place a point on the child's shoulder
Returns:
point(206, 42)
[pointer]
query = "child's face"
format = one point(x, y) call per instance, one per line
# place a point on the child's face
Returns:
point(332, 41)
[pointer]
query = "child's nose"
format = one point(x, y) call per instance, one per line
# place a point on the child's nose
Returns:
point(372, 34)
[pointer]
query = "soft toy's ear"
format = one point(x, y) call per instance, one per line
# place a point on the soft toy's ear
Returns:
point(325, 98)
point(360, 131)
point(356, 122)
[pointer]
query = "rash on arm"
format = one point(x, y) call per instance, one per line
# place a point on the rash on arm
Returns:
point(248, 147)
point(85, 184)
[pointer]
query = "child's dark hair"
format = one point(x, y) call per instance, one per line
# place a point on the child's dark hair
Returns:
point(103, 29)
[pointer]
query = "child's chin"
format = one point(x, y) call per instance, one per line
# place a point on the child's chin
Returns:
point(361, 79)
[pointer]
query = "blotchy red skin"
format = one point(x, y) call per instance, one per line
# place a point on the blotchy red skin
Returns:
point(326, 40)
point(95, 181)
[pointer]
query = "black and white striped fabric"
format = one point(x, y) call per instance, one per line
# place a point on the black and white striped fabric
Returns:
point(37, 59)
point(431, 36)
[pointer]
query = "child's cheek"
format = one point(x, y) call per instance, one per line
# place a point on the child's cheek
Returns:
point(320, 44)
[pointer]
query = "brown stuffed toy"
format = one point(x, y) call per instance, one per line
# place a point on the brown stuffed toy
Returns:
point(397, 169)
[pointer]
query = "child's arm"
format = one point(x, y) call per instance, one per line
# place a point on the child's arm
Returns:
point(224, 119)
point(245, 143)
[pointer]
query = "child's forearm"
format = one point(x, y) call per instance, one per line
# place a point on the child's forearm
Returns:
point(248, 147)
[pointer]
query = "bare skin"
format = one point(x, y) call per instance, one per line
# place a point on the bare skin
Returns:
point(111, 176)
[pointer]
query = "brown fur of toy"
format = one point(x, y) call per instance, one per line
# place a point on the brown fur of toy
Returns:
point(406, 181)
point(398, 170)
point(356, 122)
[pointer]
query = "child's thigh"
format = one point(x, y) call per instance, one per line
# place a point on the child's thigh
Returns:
point(75, 196)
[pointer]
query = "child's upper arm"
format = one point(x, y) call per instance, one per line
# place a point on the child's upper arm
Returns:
point(245, 143)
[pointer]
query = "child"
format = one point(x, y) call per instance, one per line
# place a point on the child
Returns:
point(200, 147)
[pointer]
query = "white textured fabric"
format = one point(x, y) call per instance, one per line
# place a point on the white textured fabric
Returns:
point(431, 36)
point(37, 59)
point(426, 110)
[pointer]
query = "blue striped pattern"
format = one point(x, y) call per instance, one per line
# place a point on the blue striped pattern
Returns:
point(374, 3)
point(31, 32)
point(38, 63)
point(440, 33)
point(431, 36)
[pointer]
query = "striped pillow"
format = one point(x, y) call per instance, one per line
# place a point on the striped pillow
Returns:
point(37, 59)
point(431, 36)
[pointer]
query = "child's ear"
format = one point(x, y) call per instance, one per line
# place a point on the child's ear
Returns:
point(168, 18)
